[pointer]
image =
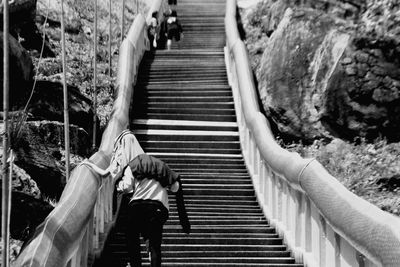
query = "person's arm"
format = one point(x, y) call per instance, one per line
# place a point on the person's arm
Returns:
point(126, 183)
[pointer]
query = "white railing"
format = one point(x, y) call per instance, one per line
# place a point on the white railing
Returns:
point(75, 231)
point(322, 222)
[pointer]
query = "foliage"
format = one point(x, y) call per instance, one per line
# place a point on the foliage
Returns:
point(256, 35)
point(15, 247)
point(79, 49)
point(370, 170)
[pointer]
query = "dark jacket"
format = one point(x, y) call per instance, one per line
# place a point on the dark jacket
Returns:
point(146, 166)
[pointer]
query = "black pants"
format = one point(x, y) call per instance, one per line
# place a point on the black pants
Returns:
point(172, 2)
point(146, 218)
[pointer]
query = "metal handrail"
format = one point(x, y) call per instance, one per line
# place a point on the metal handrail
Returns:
point(73, 231)
point(322, 222)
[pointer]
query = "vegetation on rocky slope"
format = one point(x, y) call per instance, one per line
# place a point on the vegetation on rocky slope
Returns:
point(368, 168)
point(79, 47)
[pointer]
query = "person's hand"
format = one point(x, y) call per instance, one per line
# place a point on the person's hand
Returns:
point(175, 187)
point(120, 187)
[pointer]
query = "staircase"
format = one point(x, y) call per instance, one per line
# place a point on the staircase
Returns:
point(184, 115)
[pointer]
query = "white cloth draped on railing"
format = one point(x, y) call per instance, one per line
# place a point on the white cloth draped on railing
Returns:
point(75, 231)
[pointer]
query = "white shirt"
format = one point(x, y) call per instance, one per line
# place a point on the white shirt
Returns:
point(145, 188)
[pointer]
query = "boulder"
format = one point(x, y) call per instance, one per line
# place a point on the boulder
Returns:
point(298, 58)
point(328, 69)
point(366, 88)
point(21, 71)
point(27, 213)
point(40, 147)
point(21, 181)
point(23, 26)
point(47, 104)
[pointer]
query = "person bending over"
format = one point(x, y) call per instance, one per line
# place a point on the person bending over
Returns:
point(148, 179)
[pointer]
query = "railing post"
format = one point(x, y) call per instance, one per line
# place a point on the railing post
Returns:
point(269, 189)
point(330, 246)
point(348, 255)
point(299, 223)
point(315, 236)
point(266, 180)
point(322, 242)
point(274, 200)
point(65, 95)
point(6, 181)
point(250, 151)
point(261, 178)
point(95, 76)
point(291, 213)
point(122, 20)
point(109, 39)
point(279, 199)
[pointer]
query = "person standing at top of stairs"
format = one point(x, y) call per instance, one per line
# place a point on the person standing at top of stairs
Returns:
point(173, 29)
point(152, 30)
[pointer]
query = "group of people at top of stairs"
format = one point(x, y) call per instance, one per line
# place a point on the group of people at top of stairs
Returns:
point(169, 29)
point(144, 180)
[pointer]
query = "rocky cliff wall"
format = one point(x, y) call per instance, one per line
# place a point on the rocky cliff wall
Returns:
point(328, 68)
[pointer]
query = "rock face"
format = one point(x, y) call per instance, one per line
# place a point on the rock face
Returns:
point(289, 77)
point(366, 88)
point(329, 68)
point(21, 70)
point(23, 27)
point(47, 104)
point(26, 214)
point(21, 181)
point(40, 152)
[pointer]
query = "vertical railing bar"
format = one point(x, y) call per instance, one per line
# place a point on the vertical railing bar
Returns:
point(288, 200)
point(274, 200)
point(122, 20)
point(322, 244)
point(5, 216)
point(102, 208)
point(298, 222)
point(109, 39)
point(308, 231)
point(279, 200)
point(65, 95)
point(95, 76)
